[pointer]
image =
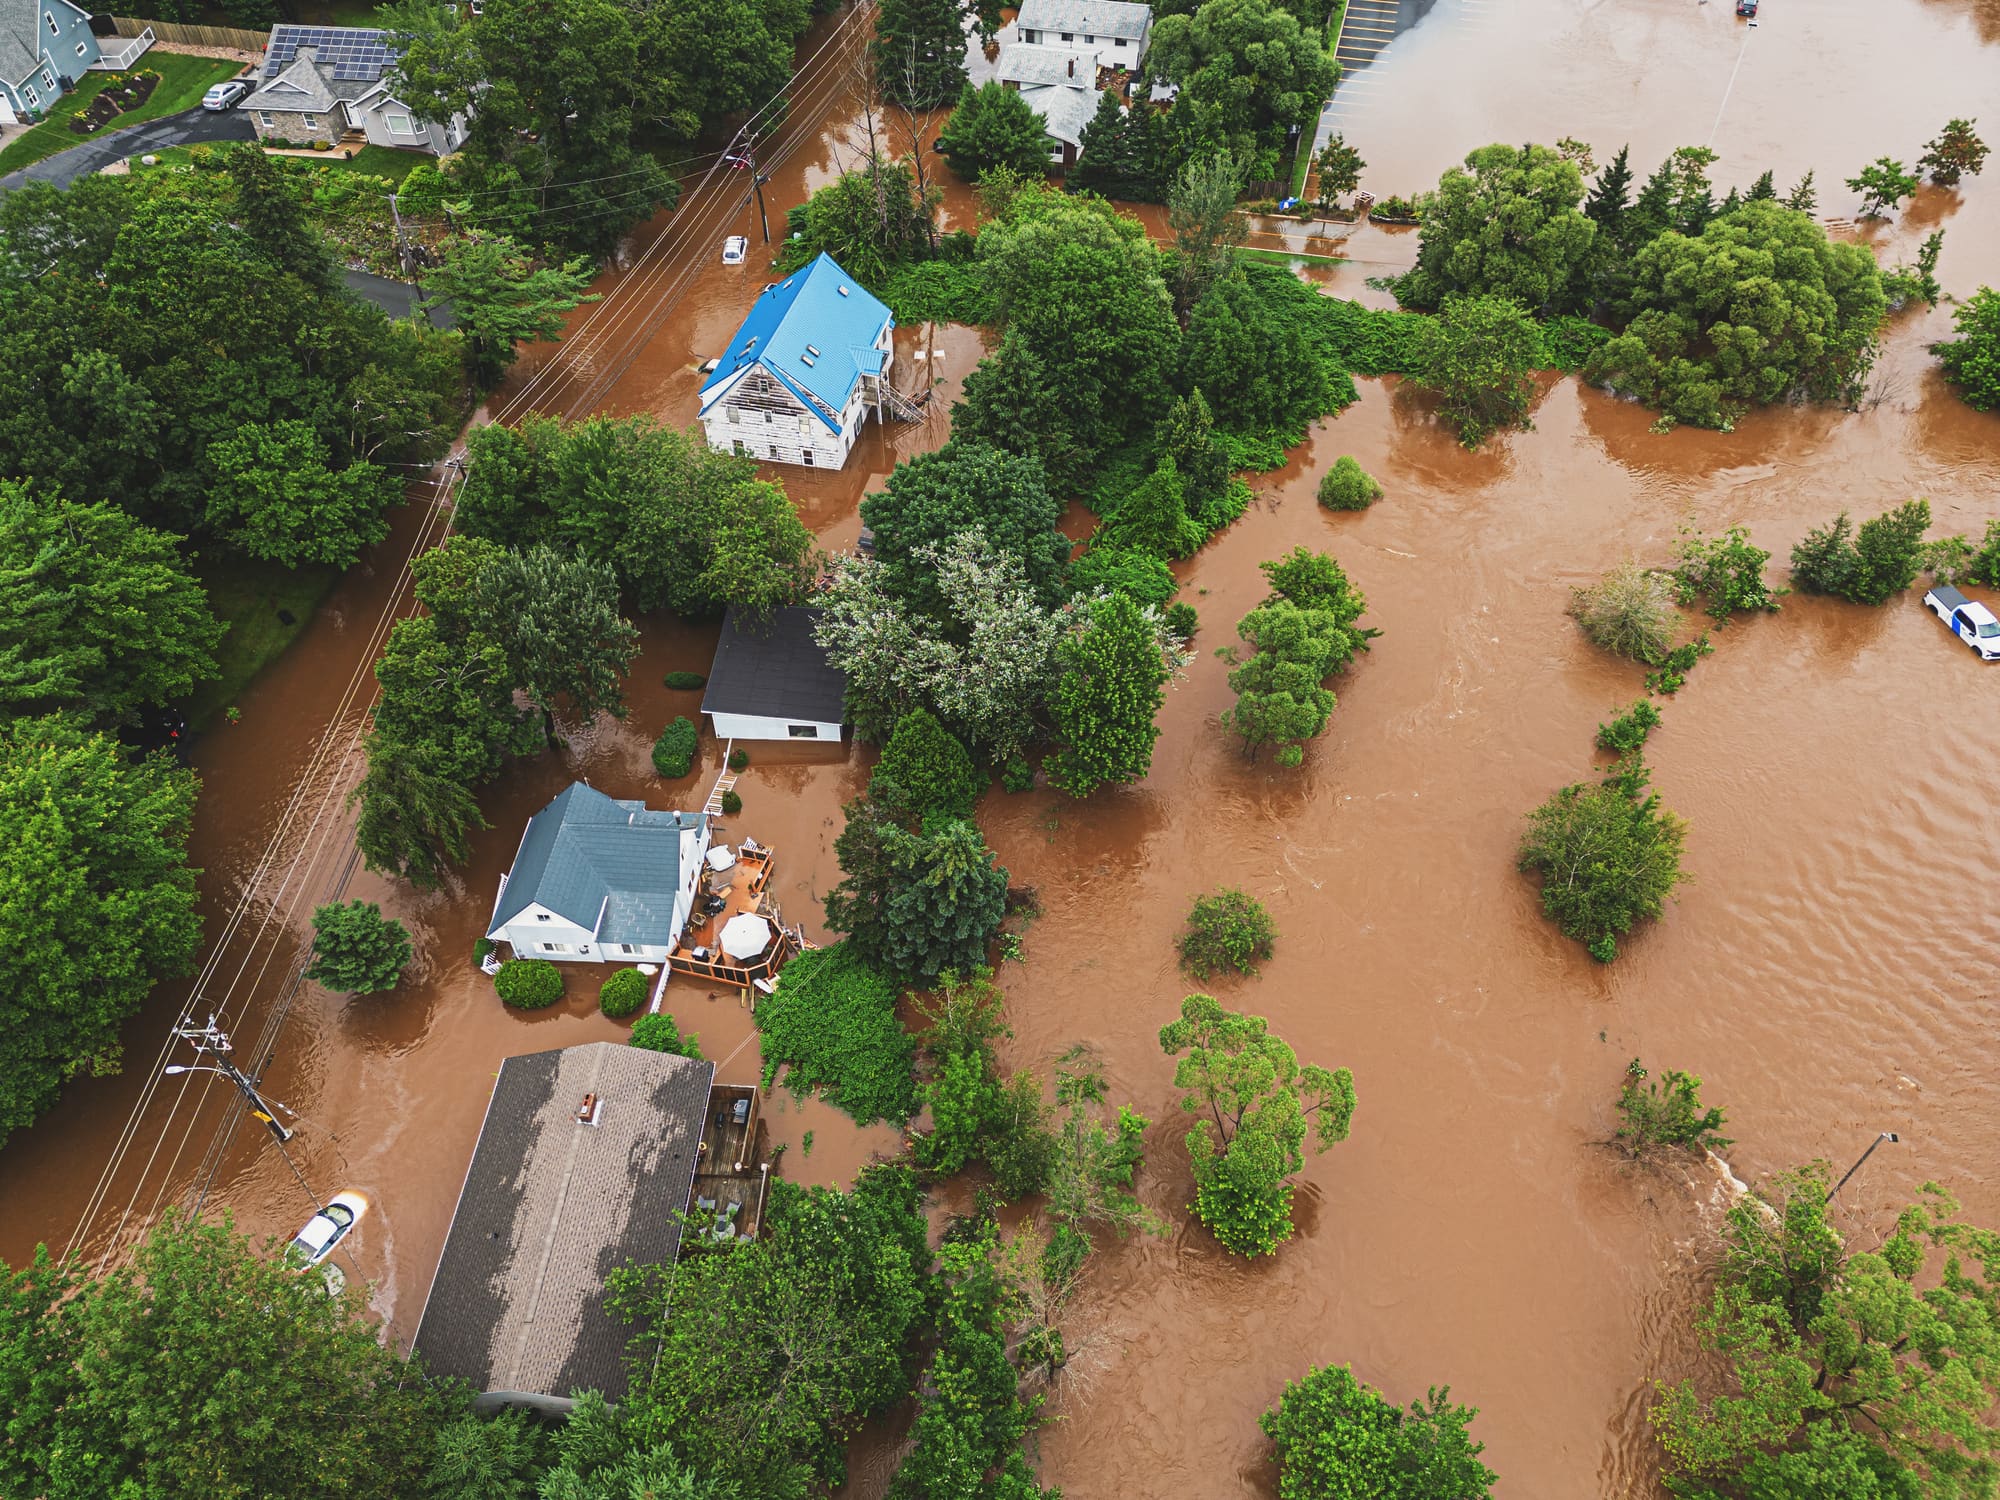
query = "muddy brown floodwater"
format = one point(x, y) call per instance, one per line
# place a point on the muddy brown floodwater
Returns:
point(1830, 971)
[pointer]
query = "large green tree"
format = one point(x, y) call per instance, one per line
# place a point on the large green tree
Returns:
point(1104, 705)
point(1759, 307)
point(1338, 1438)
point(1506, 224)
point(205, 1369)
point(499, 298)
point(1298, 637)
point(1609, 856)
point(1255, 1105)
point(96, 901)
point(755, 1366)
point(1851, 1373)
point(1971, 362)
point(916, 901)
point(993, 126)
point(357, 950)
point(278, 496)
point(99, 616)
point(1476, 355)
point(1258, 368)
point(1248, 71)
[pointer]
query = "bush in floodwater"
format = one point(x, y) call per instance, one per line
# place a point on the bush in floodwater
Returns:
point(684, 682)
point(529, 983)
point(1666, 1114)
point(1676, 664)
point(673, 751)
point(1865, 566)
point(1726, 571)
point(1608, 856)
point(1628, 731)
point(1971, 362)
point(658, 1033)
point(621, 994)
point(1348, 486)
point(357, 950)
point(1229, 930)
point(1183, 621)
point(1330, 1427)
point(833, 1018)
point(739, 759)
point(1985, 566)
point(1017, 776)
point(732, 802)
point(1629, 610)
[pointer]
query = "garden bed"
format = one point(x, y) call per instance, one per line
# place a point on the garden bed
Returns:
point(123, 92)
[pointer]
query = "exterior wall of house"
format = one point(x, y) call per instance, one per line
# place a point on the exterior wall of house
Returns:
point(752, 727)
point(388, 123)
point(540, 933)
point(64, 50)
point(761, 418)
point(293, 128)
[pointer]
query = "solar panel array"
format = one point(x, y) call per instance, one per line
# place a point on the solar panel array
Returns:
point(348, 54)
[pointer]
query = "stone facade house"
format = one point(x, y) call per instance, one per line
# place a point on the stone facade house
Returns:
point(321, 83)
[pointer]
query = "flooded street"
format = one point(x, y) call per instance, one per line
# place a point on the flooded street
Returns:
point(1830, 972)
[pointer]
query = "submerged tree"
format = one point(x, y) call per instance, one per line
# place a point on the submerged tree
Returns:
point(1957, 151)
point(1476, 355)
point(1107, 699)
point(1331, 1432)
point(1882, 184)
point(1666, 1113)
point(357, 950)
point(1256, 1105)
point(1609, 856)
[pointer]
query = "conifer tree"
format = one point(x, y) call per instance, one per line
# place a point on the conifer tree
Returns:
point(1763, 188)
point(1804, 197)
point(1107, 163)
point(920, 51)
point(1611, 195)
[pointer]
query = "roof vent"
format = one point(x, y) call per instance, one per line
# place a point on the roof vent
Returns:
point(843, 291)
point(807, 360)
point(813, 350)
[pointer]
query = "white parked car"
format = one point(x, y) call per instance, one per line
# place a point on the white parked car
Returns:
point(226, 95)
point(1969, 620)
point(734, 249)
point(326, 1229)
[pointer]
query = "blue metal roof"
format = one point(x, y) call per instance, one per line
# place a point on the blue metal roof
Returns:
point(815, 331)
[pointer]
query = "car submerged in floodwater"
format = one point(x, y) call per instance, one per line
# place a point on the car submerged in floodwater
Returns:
point(1969, 620)
point(325, 1230)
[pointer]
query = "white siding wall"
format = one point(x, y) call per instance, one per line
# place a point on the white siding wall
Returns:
point(750, 727)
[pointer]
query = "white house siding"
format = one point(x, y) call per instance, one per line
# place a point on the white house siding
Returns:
point(759, 416)
point(751, 727)
point(421, 135)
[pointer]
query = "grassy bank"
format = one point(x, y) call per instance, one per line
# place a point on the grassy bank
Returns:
point(253, 599)
point(183, 80)
point(1287, 257)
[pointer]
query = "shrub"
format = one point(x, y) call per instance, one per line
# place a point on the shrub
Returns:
point(1229, 930)
point(1182, 620)
point(1676, 664)
point(833, 1018)
point(657, 1033)
point(1477, 353)
point(1666, 1114)
point(1628, 731)
point(357, 950)
point(1120, 570)
point(1347, 486)
point(1608, 857)
point(1947, 559)
point(529, 983)
point(673, 751)
point(1726, 571)
point(1017, 776)
point(738, 759)
point(1985, 566)
point(1867, 566)
point(621, 994)
point(685, 682)
point(732, 803)
point(1630, 610)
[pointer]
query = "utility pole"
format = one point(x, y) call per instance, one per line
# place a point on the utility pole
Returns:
point(211, 1042)
point(1887, 1135)
point(746, 160)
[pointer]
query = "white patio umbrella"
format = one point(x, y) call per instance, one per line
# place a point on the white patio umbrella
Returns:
point(745, 935)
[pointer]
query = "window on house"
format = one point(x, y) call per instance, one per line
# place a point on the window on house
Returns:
point(742, 449)
point(79, 49)
point(627, 948)
point(1119, 43)
point(50, 17)
point(401, 125)
point(767, 419)
point(541, 916)
point(802, 731)
point(33, 98)
point(809, 458)
point(48, 79)
point(311, 122)
point(774, 450)
point(1069, 36)
point(264, 119)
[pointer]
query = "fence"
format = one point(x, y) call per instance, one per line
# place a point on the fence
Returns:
point(172, 33)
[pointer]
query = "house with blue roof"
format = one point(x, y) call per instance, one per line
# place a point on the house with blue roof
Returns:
point(804, 371)
point(600, 880)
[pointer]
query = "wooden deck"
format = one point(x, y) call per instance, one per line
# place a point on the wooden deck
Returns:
point(741, 888)
point(731, 1175)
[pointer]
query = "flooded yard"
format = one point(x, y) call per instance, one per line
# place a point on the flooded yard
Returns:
point(1830, 971)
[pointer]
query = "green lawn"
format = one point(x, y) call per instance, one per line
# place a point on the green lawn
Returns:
point(1287, 257)
point(183, 80)
point(381, 161)
point(247, 596)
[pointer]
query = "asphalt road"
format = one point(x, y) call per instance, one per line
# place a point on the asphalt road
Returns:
point(191, 127)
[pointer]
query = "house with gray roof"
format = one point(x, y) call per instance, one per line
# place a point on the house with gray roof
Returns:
point(772, 681)
point(1117, 29)
point(321, 83)
point(45, 47)
point(600, 880)
point(1060, 54)
point(586, 1162)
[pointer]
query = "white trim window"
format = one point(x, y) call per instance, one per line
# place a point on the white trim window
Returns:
point(34, 99)
point(79, 49)
point(50, 17)
point(311, 122)
point(264, 119)
point(400, 124)
point(48, 79)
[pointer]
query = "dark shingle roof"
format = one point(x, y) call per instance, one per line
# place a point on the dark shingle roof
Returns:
point(586, 849)
point(778, 673)
point(550, 1207)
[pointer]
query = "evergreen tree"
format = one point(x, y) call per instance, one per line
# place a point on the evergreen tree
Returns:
point(357, 950)
point(1804, 197)
point(1154, 518)
point(925, 770)
point(993, 126)
point(1652, 212)
point(1611, 195)
point(1110, 692)
point(920, 51)
point(1763, 188)
point(1188, 438)
point(1109, 162)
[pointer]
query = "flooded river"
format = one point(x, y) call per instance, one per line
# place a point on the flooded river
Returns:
point(1830, 972)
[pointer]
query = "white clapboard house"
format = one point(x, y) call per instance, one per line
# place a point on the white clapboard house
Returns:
point(805, 370)
point(599, 880)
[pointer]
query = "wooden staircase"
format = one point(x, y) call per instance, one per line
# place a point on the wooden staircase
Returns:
point(713, 807)
point(904, 408)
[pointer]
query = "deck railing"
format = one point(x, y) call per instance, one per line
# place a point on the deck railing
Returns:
point(117, 53)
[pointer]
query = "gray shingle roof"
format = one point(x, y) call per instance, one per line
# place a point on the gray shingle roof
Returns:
point(551, 1206)
point(1112, 18)
point(587, 853)
point(1064, 111)
point(1031, 63)
point(20, 38)
point(778, 673)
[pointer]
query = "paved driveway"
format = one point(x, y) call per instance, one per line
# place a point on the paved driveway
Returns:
point(191, 127)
